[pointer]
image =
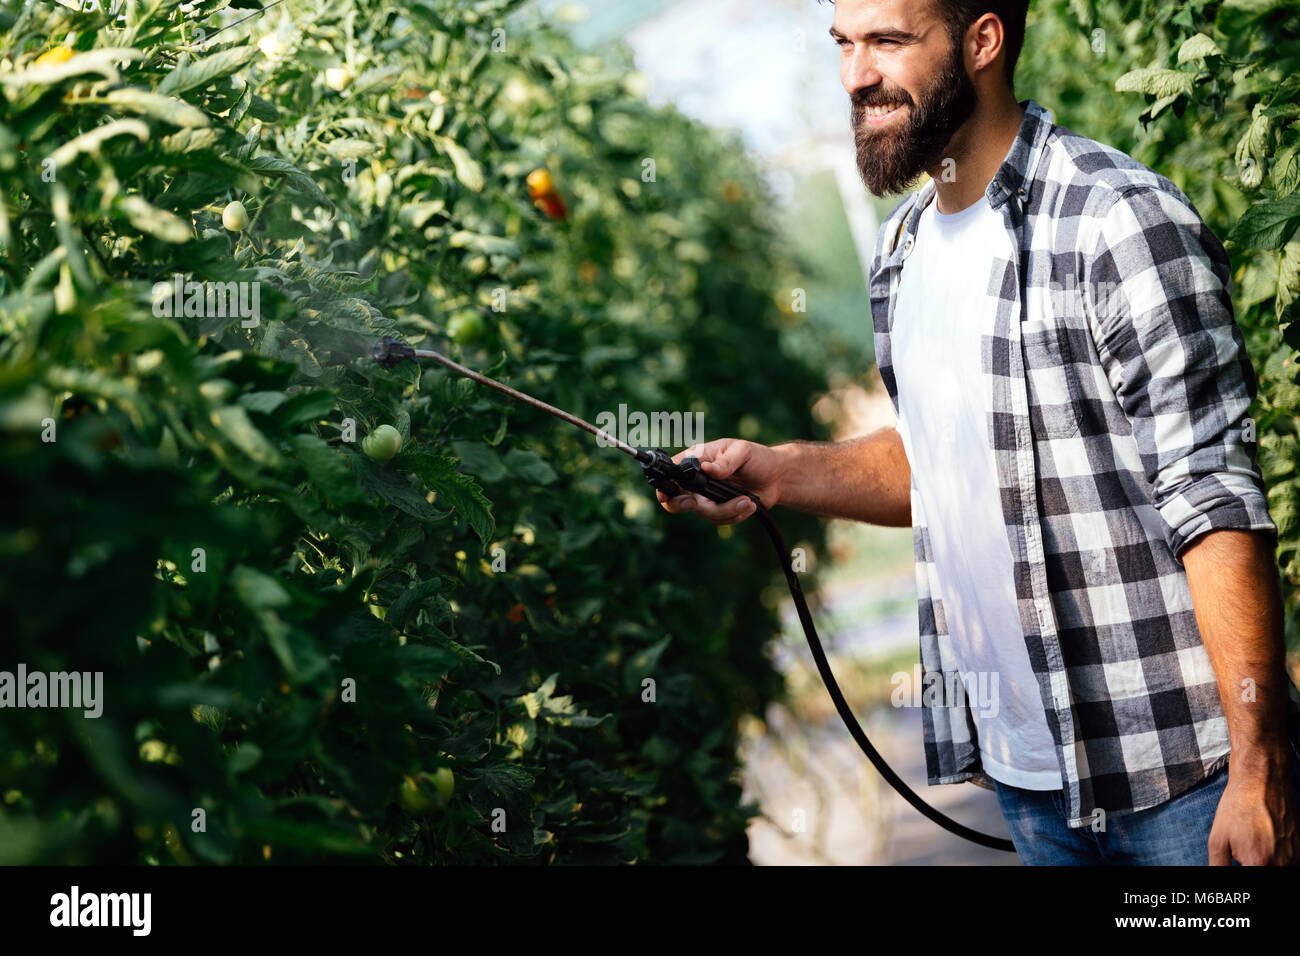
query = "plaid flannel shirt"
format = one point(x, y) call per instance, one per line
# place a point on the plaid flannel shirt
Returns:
point(1117, 387)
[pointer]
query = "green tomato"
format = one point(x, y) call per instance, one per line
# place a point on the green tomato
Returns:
point(427, 792)
point(235, 217)
point(465, 328)
point(382, 443)
point(413, 799)
point(445, 781)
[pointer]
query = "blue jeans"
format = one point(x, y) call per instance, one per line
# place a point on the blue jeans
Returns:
point(1174, 833)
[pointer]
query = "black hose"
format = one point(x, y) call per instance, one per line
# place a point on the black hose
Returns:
point(846, 713)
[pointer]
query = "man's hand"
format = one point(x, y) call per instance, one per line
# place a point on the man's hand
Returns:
point(751, 466)
point(1256, 823)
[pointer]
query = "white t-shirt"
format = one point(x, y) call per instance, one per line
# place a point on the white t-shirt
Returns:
point(942, 311)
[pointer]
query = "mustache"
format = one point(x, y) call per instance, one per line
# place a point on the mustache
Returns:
point(862, 99)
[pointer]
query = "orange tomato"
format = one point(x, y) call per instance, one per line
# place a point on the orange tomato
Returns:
point(539, 183)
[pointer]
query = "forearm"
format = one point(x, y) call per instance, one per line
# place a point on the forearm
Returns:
point(1234, 585)
point(863, 479)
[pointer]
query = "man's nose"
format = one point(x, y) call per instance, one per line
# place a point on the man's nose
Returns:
point(859, 71)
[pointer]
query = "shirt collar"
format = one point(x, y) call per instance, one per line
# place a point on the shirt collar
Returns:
point(1016, 174)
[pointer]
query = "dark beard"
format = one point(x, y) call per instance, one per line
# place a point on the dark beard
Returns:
point(890, 160)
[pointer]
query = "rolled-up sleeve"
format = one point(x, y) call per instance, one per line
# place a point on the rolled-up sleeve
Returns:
point(1156, 286)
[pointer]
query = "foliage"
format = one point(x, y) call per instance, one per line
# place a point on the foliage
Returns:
point(205, 529)
point(1207, 94)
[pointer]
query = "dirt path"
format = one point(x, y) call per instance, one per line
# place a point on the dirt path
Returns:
point(824, 804)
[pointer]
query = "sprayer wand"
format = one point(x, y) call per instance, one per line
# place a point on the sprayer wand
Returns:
point(675, 478)
point(660, 470)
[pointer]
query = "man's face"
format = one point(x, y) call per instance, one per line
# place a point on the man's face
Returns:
point(908, 86)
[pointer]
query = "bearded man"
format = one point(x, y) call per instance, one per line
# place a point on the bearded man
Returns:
point(1073, 454)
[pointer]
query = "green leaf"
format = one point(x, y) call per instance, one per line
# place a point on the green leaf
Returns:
point(529, 466)
point(189, 75)
point(486, 244)
point(468, 171)
point(556, 710)
point(328, 469)
point(1268, 225)
point(264, 403)
point(1286, 171)
point(235, 424)
point(103, 61)
point(1197, 47)
point(427, 663)
point(641, 664)
point(92, 140)
point(345, 149)
point(509, 788)
point(263, 110)
point(454, 488)
point(294, 177)
point(153, 221)
point(1288, 276)
point(380, 479)
point(533, 702)
point(1158, 82)
point(256, 590)
point(409, 601)
point(1252, 148)
point(246, 757)
point(189, 140)
point(374, 78)
point(309, 406)
point(165, 108)
point(480, 460)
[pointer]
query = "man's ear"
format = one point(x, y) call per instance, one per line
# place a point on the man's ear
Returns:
point(988, 39)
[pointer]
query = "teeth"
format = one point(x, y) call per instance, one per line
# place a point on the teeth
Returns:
point(880, 110)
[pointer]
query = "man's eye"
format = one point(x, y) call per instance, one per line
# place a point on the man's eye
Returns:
point(884, 40)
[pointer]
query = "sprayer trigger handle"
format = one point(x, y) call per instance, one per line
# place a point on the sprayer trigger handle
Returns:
point(694, 479)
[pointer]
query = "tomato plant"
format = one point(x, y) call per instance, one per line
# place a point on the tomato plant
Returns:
point(288, 629)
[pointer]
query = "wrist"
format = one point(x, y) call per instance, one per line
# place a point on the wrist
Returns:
point(1261, 758)
point(785, 455)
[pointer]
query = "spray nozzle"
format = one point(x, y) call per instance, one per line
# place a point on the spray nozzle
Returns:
point(390, 353)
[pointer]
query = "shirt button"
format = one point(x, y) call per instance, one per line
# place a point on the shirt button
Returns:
point(1042, 618)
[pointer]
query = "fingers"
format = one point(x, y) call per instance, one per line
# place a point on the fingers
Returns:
point(716, 513)
point(720, 458)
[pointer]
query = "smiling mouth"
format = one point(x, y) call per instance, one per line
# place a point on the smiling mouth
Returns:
point(879, 114)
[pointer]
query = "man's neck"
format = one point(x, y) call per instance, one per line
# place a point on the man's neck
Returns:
point(976, 152)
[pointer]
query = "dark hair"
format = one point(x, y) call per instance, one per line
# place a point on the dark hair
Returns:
point(960, 14)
